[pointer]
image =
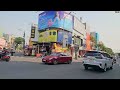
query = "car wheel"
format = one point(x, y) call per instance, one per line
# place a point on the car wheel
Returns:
point(105, 68)
point(111, 66)
point(55, 62)
point(45, 63)
point(7, 60)
point(86, 67)
point(69, 62)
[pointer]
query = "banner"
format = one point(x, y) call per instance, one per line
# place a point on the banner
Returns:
point(57, 19)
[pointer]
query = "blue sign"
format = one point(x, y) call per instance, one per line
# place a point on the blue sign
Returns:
point(69, 38)
point(60, 37)
point(57, 19)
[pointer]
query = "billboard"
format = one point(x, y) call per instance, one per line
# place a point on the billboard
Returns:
point(79, 26)
point(48, 36)
point(56, 19)
point(67, 39)
point(88, 42)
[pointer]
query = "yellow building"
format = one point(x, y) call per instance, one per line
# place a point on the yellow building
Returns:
point(48, 36)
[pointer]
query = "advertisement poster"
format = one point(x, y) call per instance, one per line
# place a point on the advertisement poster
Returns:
point(48, 36)
point(57, 19)
point(69, 38)
point(61, 38)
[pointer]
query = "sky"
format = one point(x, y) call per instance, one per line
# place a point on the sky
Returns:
point(106, 23)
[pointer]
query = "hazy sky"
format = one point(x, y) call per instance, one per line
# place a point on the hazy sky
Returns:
point(106, 23)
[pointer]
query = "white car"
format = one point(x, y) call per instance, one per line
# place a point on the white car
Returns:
point(97, 59)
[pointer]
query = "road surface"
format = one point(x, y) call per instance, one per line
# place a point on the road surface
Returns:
point(24, 68)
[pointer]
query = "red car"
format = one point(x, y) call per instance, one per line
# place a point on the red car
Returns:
point(56, 58)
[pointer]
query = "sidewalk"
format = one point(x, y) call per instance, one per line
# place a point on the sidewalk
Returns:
point(27, 59)
point(34, 59)
point(78, 60)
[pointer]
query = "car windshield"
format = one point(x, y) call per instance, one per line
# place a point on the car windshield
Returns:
point(54, 54)
point(92, 54)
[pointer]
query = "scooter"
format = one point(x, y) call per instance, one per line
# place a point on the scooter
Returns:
point(5, 57)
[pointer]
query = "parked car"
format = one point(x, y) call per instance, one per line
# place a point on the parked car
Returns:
point(4, 56)
point(98, 59)
point(56, 58)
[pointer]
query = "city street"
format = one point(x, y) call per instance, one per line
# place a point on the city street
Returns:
point(32, 68)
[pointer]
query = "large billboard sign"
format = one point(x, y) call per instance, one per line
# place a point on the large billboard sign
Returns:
point(56, 19)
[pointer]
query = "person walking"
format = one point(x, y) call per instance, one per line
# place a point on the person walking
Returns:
point(11, 51)
point(76, 47)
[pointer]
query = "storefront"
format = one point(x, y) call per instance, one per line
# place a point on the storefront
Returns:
point(2, 43)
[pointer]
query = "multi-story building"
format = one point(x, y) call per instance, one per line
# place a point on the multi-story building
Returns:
point(9, 40)
point(59, 27)
point(81, 34)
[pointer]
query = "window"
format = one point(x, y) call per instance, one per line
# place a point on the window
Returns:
point(54, 33)
point(50, 33)
point(33, 31)
point(63, 54)
point(106, 55)
point(92, 54)
point(81, 42)
point(55, 54)
point(73, 41)
point(41, 36)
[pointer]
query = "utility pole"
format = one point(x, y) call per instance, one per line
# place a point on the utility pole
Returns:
point(24, 40)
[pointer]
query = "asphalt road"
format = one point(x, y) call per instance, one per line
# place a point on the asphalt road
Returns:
point(37, 70)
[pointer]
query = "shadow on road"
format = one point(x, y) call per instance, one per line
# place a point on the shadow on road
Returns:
point(96, 70)
point(41, 63)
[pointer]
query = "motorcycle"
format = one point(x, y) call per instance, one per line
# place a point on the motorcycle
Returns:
point(5, 57)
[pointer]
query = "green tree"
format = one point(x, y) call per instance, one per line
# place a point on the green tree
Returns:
point(102, 47)
point(94, 41)
point(109, 51)
point(18, 40)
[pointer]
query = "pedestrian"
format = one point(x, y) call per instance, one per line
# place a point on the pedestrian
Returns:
point(11, 51)
point(71, 49)
point(76, 47)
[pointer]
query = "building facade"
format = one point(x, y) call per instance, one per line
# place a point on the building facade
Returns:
point(59, 27)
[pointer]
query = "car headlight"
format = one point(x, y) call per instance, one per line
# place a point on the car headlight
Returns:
point(50, 58)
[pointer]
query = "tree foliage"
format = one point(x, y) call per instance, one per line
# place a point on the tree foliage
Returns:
point(19, 40)
point(102, 47)
point(94, 41)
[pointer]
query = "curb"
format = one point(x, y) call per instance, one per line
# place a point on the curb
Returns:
point(35, 59)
